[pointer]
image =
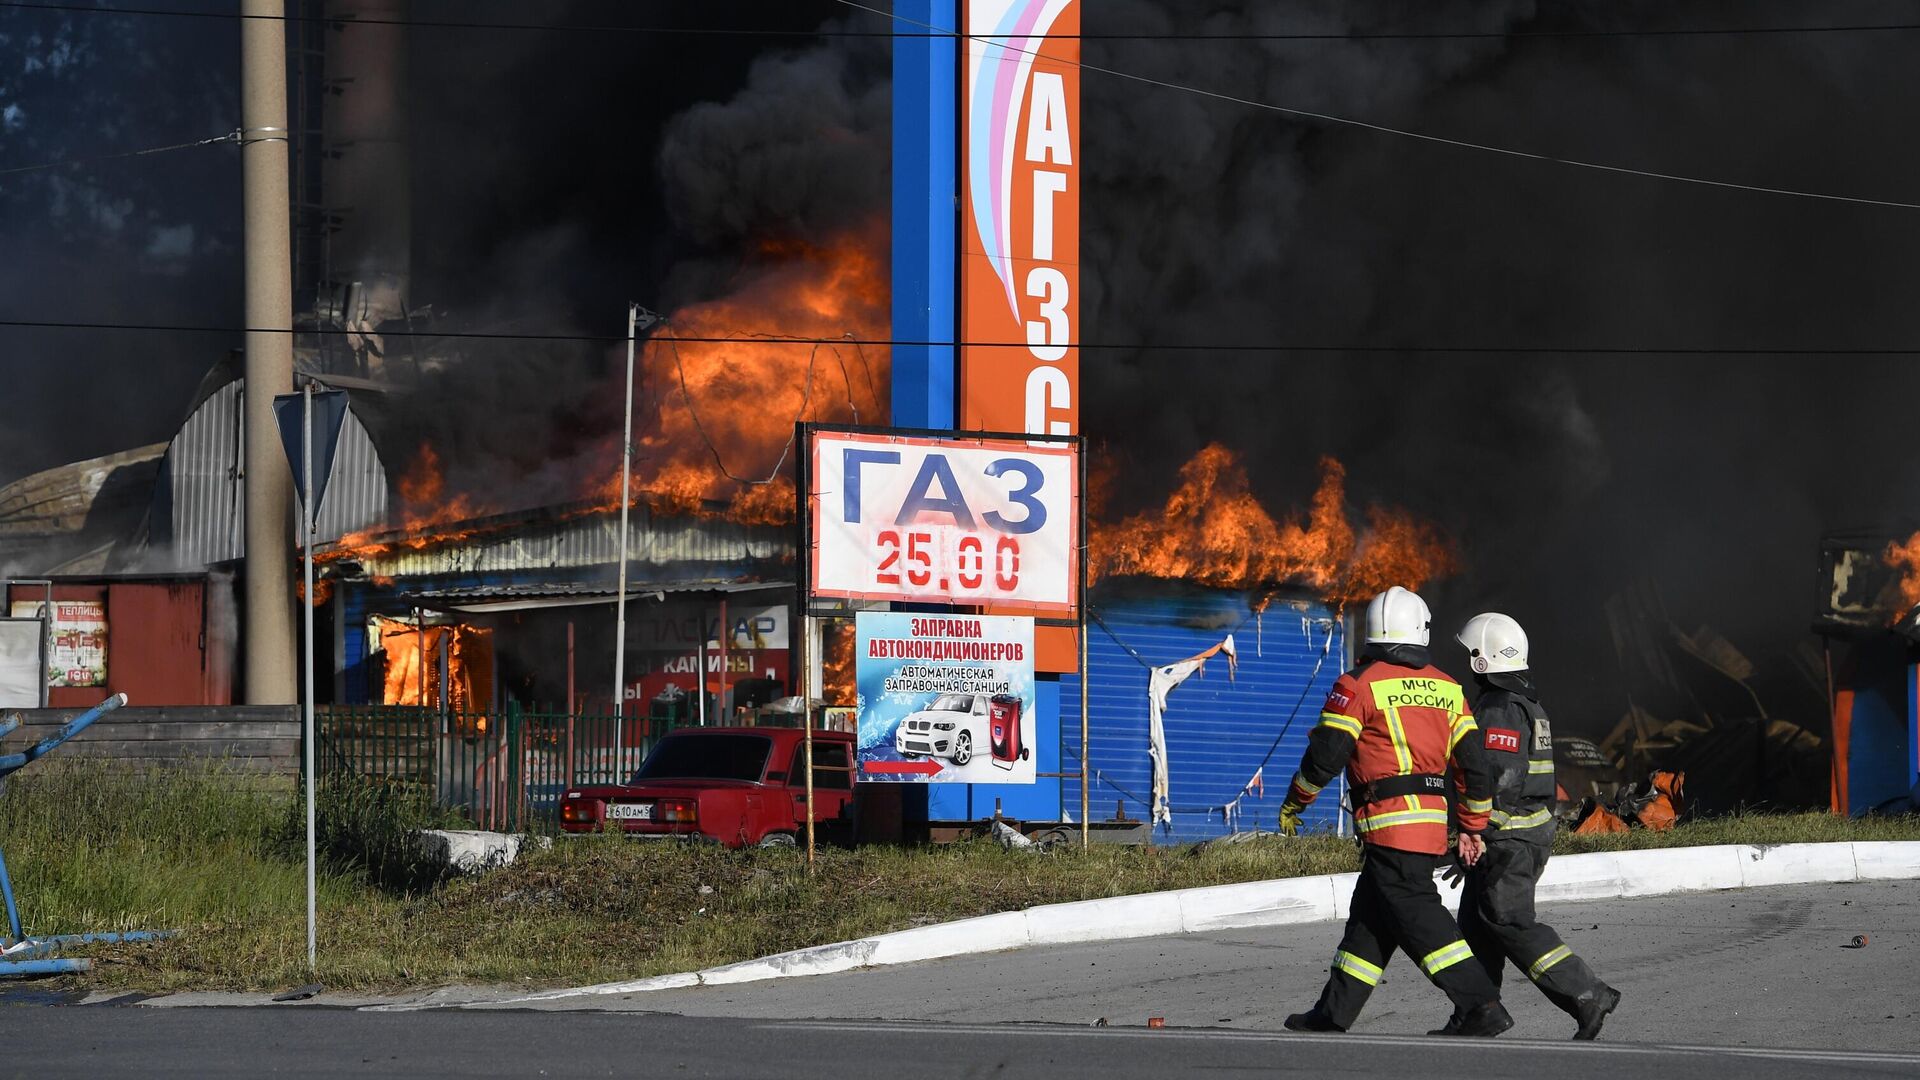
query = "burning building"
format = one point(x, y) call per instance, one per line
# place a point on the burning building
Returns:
point(543, 582)
point(1217, 630)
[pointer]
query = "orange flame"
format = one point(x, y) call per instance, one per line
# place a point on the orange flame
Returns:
point(427, 515)
point(322, 590)
point(723, 409)
point(1214, 532)
point(836, 662)
point(1906, 556)
point(713, 407)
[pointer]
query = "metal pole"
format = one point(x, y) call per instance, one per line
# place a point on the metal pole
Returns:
point(306, 545)
point(420, 661)
point(1086, 837)
point(620, 601)
point(570, 708)
point(700, 681)
point(269, 651)
point(806, 718)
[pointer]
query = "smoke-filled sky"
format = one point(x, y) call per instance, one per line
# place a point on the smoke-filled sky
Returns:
point(557, 175)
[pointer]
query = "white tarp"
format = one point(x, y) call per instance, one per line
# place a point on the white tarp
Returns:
point(1160, 683)
point(22, 668)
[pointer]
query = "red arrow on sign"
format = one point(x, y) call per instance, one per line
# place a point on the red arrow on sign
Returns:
point(924, 768)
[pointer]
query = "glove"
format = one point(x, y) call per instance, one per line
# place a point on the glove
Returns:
point(1290, 812)
point(1453, 875)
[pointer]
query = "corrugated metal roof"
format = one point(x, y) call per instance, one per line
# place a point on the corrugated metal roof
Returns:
point(1217, 729)
point(585, 540)
point(76, 515)
point(516, 597)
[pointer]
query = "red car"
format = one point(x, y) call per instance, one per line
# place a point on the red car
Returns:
point(734, 785)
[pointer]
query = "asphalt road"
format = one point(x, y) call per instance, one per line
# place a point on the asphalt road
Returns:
point(1764, 967)
point(1759, 982)
point(54, 1044)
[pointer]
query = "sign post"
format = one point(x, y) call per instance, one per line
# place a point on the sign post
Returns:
point(1086, 837)
point(306, 547)
point(620, 594)
point(803, 608)
point(311, 475)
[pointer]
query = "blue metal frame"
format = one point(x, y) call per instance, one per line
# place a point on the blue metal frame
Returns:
point(23, 955)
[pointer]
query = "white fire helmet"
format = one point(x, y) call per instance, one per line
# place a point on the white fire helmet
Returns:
point(1494, 643)
point(1397, 617)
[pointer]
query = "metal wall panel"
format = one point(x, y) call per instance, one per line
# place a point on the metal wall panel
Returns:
point(206, 522)
point(156, 648)
point(1218, 730)
point(356, 496)
point(203, 470)
point(156, 641)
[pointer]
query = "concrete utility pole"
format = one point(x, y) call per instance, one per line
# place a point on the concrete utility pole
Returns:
point(263, 159)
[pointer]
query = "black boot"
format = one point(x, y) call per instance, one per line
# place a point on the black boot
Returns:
point(1593, 1010)
point(1482, 1023)
point(1453, 1024)
point(1312, 1020)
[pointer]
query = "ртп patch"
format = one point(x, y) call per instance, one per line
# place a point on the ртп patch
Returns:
point(1499, 739)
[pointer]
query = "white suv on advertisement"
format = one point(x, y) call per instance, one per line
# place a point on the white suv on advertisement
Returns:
point(952, 726)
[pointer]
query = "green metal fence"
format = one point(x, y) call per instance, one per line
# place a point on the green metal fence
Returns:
point(503, 771)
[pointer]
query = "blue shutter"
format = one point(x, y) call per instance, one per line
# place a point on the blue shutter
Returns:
point(1217, 730)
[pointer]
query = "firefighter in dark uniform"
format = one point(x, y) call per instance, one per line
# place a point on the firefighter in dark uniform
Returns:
point(1496, 911)
point(1395, 723)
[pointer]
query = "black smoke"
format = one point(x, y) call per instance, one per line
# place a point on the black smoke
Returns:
point(556, 176)
point(1566, 476)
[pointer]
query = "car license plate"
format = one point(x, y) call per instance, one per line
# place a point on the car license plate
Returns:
point(642, 811)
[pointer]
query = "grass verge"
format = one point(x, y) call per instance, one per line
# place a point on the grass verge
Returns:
point(212, 853)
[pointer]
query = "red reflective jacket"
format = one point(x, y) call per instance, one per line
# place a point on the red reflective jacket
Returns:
point(1384, 720)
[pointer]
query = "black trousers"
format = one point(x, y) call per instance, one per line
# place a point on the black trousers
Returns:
point(1497, 919)
point(1396, 906)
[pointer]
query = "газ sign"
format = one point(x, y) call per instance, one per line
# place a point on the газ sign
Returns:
point(1020, 237)
point(944, 520)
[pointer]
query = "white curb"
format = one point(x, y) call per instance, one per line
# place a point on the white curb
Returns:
point(1598, 876)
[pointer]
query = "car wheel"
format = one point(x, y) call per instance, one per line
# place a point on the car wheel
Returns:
point(963, 748)
point(777, 839)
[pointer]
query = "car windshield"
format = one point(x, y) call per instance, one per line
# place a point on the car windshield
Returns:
point(706, 757)
point(952, 703)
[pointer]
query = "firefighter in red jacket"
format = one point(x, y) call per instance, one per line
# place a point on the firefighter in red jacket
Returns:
point(1496, 911)
point(1394, 723)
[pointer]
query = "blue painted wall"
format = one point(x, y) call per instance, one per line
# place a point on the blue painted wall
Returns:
point(1218, 730)
point(1880, 746)
point(926, 171)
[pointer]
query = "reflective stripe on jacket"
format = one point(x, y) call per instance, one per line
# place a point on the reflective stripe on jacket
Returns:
point(1383, 720)
point(1518, 740)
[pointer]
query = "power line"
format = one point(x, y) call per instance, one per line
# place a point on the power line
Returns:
point(1000, 43)
point(723, 31)
point(1084, 346)
point(231, 136)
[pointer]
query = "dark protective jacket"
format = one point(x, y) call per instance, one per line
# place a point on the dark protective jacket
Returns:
point(1395, 724)
point(1518, 742)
